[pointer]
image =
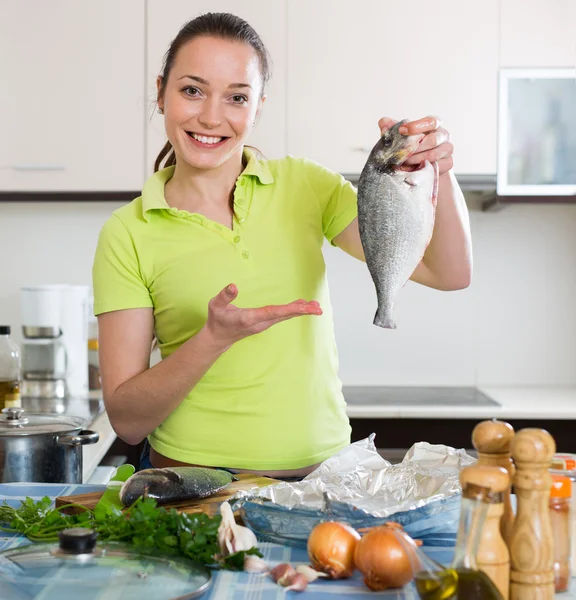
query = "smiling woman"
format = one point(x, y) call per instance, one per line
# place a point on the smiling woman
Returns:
point(182, 95)
point(220, 259)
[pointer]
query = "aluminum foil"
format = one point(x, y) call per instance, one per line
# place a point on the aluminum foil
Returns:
point(358, 478)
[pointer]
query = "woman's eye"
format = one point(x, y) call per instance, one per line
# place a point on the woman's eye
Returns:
point(190, 90)
point(239, 99)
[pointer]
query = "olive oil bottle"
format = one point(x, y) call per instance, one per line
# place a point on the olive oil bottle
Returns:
point(462, 580)
point(9, 370)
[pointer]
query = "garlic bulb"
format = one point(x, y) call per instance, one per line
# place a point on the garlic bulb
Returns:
point(231, 536)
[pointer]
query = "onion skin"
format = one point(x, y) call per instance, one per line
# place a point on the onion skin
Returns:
point(331, 546)
point(382, 559)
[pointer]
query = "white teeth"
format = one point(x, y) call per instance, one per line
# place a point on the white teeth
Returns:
point(207, 140)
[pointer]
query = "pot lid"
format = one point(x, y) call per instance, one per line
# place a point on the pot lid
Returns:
point(15, 421)
point(80, 569)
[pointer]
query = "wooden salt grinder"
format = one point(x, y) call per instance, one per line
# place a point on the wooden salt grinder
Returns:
point(492, 440)
point(492, 556)
point(531, 543)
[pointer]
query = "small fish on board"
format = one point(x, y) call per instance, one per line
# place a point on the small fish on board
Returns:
point(174, 484)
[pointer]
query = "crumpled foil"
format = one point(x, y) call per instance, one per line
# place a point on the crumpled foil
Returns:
point(357, 485)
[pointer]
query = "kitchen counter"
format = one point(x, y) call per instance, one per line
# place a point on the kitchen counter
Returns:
point(91, 409)
point(485, 402)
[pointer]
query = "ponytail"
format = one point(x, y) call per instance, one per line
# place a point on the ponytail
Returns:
point(166, 153)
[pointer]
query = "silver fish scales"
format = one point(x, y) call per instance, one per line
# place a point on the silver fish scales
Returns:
point(396, 212)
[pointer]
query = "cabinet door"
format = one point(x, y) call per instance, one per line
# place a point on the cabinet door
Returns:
point(354, 62)
point(71, 107)
point(538, 34)
point(267, 18)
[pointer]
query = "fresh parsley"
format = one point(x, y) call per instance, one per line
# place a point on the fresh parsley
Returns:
point(144, 524)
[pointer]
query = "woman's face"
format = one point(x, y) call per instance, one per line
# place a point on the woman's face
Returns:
point(211, 100)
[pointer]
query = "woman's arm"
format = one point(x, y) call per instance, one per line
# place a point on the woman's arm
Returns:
point(139, 398)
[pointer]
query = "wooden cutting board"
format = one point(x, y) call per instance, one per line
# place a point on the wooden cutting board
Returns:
point(207, 505)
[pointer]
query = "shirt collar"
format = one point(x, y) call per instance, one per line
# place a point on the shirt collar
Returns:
point(153, 190)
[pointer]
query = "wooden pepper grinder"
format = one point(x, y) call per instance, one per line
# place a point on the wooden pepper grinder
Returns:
point(531, 544)
point(492, 556)
point(492, 440)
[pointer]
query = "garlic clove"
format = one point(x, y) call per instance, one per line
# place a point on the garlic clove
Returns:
point(254, 564)
point(310, 573)
point(231, 536)
point(282, 573)
point(297, 583)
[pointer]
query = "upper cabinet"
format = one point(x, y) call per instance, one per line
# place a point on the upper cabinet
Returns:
point(71, 107)
point(267, 18)
point(351, 63)
point(538, 34)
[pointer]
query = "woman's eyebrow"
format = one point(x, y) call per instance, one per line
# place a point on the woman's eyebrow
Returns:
point(205, 82)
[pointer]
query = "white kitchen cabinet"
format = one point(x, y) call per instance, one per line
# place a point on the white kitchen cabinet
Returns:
point(71, 107)
point(538, 34)
point(267, 18)
point(351, 63)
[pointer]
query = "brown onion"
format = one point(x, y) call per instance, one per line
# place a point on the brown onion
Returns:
point(382, 558)
point(331, 547)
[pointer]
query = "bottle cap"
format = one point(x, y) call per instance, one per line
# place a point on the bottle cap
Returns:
point(4, 329)
point(561, 487)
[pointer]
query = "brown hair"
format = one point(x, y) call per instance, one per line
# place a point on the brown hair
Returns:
point(219, 25)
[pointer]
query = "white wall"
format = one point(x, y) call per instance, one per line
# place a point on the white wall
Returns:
point(516, 324)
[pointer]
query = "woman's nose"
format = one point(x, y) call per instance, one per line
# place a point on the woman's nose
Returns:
point(210, 116)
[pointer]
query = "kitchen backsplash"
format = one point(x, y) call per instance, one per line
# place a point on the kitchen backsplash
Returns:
point(516, 323)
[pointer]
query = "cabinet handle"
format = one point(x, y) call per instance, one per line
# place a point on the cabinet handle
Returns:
point(34, 167)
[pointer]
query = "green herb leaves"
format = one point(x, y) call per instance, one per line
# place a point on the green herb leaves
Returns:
point(144, 524)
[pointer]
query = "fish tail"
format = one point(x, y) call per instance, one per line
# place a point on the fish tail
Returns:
point(385, 318)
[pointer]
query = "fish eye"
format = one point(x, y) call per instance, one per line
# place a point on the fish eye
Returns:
point(387, 141)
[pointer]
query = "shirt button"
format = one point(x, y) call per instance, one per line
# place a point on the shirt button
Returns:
point(236, 239)
point(245, 254)
point(241, 220)
point(241, 182)
point(240, 201)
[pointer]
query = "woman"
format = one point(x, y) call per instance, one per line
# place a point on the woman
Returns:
point(221, 260)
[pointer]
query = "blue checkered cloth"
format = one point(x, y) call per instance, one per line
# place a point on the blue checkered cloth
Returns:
point(230, 585)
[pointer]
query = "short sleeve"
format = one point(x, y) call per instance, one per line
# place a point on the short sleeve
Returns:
point(338, 199)
point(116, 276)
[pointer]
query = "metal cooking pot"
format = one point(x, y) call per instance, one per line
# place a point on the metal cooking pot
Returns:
point(44, 448)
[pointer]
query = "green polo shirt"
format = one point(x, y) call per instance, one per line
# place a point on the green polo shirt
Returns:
point(273, 400)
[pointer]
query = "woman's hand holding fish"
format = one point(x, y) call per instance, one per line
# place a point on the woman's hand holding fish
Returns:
point(435, 147)
point(227, 323)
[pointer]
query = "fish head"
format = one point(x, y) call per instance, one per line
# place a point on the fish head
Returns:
point(393, 148)
point(149, 483)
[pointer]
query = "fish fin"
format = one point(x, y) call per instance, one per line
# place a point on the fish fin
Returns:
point(384, 319)
point(171, 475)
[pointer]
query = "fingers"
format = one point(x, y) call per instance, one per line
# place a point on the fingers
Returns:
point(443, 151)
point(385, 123)
point(227, 295)
point(445, 165)
point(423, 125)
point(436, 138)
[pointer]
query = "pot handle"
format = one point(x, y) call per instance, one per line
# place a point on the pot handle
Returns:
point(81, 439)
